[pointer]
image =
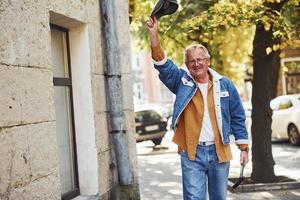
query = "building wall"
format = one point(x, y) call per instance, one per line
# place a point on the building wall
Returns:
point(28, 145)
point(146, 77)
point(290, 55)
point(27, 111)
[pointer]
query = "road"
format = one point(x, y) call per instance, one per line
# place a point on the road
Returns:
point(160, 173)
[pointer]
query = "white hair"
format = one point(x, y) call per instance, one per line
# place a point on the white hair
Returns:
point(196, 46)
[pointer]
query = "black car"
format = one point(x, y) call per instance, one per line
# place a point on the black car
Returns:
point(150, 126)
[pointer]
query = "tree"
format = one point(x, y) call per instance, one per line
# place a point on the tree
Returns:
point(177, 34)
point(276, 26)
point(266, 71)
point(265, 62)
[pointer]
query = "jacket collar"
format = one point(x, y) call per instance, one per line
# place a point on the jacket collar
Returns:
point(215, 75)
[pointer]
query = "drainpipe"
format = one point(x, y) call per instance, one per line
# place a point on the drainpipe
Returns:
point(113, 74)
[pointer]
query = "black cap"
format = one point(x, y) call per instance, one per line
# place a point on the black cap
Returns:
point(164, 7)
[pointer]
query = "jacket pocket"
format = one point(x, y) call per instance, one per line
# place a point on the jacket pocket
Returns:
point(224, 94)
point(225, 107)
point(186, 82)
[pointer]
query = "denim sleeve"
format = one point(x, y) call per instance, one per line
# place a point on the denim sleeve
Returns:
point(170, 75)
point(237, 116)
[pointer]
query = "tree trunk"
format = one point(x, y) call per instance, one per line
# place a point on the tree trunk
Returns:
point(265, 78)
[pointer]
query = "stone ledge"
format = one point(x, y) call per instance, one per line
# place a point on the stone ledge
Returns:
point(86, 197)
point(256, 187)
point(128, 192)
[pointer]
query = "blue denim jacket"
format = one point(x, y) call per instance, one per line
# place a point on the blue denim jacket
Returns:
point(230, 113)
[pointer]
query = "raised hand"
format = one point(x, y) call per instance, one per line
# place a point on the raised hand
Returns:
point(152, 26)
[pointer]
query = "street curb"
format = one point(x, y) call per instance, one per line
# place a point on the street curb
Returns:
point(159, 150)
point(157, 153)
point(263, 187)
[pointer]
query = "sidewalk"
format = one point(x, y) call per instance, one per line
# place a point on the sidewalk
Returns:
point(160, 173)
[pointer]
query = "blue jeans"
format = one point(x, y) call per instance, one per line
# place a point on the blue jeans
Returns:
point(204, 173)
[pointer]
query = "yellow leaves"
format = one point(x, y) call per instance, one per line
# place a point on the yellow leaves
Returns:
point(296, 2)
point(218, 7)
point(205, 40)
point(230, 19)
point(251, 13)
point(276, 47)
point(278, 13)
point(277, 33)
point(265, 20)
point(282, 55)
point(267, 26)
point(224, 22)
point(268, 50)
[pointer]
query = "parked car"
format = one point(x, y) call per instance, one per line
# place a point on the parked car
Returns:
point(150, 126)
point(286, 118)
point(165, 110)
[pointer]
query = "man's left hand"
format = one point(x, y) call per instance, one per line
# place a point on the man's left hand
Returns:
point(244, 158)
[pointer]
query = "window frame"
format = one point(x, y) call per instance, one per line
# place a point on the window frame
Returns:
point(67, 82)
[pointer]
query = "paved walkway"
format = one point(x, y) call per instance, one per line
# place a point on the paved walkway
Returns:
point(160, 173)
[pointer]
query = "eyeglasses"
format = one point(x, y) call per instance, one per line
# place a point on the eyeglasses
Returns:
point(196, 61)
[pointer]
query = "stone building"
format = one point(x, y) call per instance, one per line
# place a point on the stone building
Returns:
point(57, 135)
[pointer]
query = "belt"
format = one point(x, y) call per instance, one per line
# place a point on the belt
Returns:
point(206, 143)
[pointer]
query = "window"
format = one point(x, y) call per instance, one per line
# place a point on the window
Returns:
point(285, 104)
point(64, 112)
point(147, 116)
point(281, 103)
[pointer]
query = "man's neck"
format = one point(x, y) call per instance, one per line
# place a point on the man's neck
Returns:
point(202, 80)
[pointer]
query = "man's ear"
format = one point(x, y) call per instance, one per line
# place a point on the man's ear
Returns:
point(187, 66)
point(208, 62)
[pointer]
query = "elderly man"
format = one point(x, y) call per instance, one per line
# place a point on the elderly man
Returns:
point(207, 110)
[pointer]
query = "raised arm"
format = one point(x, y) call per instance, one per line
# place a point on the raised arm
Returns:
point(156, 50)
point(169, 73)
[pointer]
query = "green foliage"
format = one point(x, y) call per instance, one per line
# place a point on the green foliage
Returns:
point(227, 14)
point(226, 27)
point(172, 30)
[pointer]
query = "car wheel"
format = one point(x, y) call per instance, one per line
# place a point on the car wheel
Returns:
point(294, 136)
point(157, 141)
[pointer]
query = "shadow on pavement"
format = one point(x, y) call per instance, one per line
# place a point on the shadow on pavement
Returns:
point(160, 177)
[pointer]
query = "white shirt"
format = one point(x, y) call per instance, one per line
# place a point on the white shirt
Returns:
point(206, 132)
